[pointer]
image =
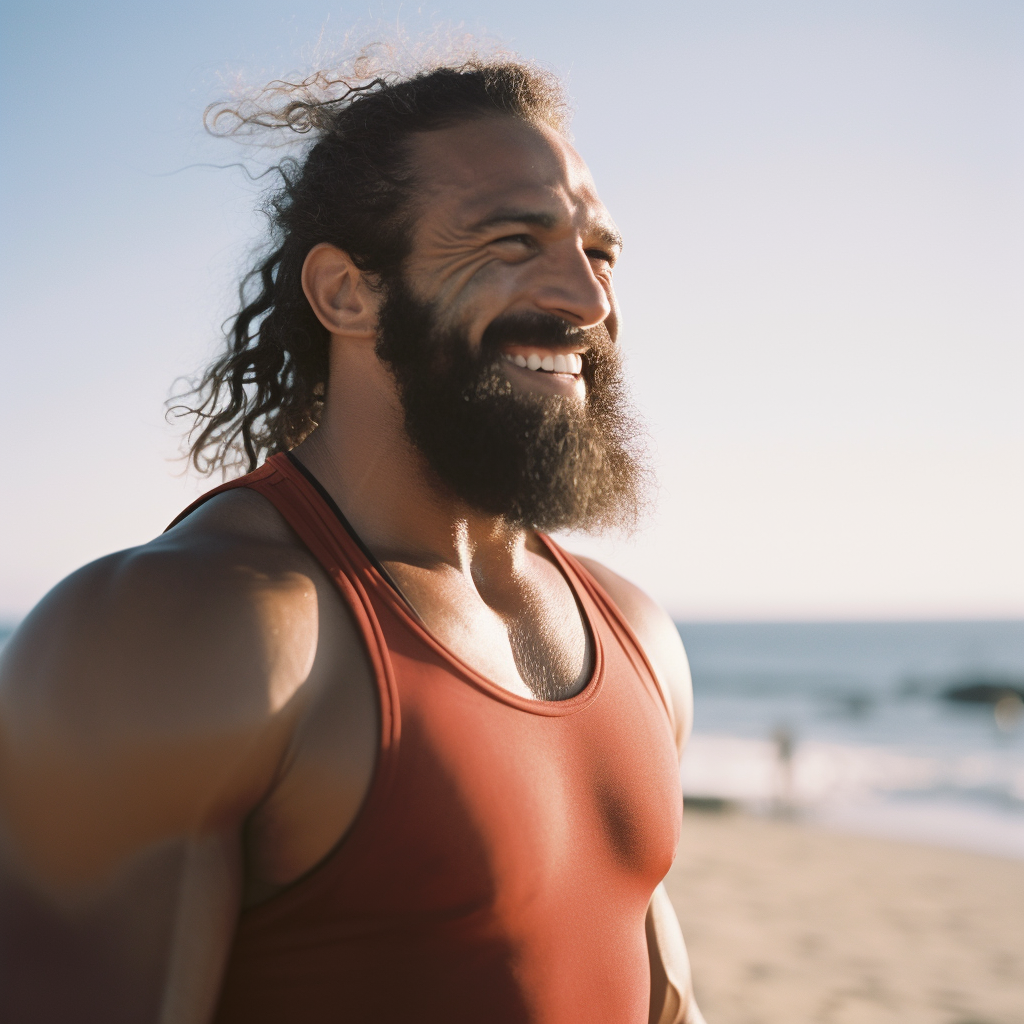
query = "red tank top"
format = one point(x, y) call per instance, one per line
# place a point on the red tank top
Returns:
point(502, 862)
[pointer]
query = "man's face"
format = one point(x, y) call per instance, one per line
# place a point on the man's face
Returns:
point(509, 221)
point(501, 331)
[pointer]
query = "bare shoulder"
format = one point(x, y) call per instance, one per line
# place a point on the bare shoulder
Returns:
point(152, 691)
point(660, 639)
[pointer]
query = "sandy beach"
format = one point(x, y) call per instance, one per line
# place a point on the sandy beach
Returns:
point(787, 923)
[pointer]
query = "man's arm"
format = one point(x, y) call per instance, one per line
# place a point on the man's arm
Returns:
point(672, 999)
point(145, 707)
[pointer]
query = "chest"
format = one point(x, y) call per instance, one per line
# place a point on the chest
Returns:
point(525, 630)
point(493, 802)
point(504, 846)
point(489, 784)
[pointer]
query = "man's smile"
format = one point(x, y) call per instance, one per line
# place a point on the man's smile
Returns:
point(546, 361)
point(537, 367)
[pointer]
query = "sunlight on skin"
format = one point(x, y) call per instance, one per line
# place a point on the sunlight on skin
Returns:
point(512, 223)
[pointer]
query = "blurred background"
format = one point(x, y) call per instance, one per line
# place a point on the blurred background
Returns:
point(822, 287)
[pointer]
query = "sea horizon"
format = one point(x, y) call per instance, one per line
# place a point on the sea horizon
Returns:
point(864, 726)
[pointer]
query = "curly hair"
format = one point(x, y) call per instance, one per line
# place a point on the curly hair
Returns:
point(352, 188)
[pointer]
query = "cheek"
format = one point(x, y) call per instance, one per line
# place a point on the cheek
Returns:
point(471, 296)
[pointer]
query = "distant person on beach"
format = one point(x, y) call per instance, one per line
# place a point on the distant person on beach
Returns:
point(354, 740)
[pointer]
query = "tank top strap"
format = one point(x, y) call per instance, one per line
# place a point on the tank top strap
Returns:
point(283, 484)
point(252, 480)
point(605, 611)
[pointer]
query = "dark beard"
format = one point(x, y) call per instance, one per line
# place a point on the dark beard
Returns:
point(541, 461)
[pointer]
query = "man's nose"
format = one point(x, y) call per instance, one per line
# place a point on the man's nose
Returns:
point(571, 290)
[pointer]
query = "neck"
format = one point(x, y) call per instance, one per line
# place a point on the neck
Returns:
point(363, 457)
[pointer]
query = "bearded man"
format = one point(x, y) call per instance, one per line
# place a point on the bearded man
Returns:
point(354, 740)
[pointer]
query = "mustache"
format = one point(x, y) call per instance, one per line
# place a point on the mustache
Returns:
point(543, 329)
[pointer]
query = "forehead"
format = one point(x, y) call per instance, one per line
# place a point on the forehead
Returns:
point(473, 170)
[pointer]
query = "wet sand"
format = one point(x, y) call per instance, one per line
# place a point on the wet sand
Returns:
point(788, 924)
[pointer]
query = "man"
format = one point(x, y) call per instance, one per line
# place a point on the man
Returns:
point(353, 741)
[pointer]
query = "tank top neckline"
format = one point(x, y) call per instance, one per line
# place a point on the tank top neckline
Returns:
point(388, 591)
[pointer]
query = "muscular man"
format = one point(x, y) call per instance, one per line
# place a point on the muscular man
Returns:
point(354, 740)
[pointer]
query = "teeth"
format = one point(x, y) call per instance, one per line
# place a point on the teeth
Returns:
point(571, 362)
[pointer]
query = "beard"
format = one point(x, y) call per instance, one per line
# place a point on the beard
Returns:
point(546, 462)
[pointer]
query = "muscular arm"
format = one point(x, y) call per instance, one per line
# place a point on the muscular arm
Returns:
point(672, 1000)
point(145, 707)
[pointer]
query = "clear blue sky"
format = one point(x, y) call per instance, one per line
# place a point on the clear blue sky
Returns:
point(824, 215)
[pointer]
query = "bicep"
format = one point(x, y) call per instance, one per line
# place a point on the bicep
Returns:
point(125, 948)
point(126, 722)
point(125, 773)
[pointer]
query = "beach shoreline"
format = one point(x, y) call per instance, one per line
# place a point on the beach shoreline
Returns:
point(791, 922)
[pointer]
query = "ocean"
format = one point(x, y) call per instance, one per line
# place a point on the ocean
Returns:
point(849, 725)
point(846, 725)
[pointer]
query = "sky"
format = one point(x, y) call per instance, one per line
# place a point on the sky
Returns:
point(823, 207)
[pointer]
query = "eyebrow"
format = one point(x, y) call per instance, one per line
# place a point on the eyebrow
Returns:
point(542, 220)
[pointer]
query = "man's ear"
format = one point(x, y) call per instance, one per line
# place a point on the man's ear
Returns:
point(344, 299)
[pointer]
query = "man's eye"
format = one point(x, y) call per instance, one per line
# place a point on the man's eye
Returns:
point(520, 239)
point(600, 254)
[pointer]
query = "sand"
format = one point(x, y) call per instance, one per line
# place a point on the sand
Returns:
point(788, 924)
